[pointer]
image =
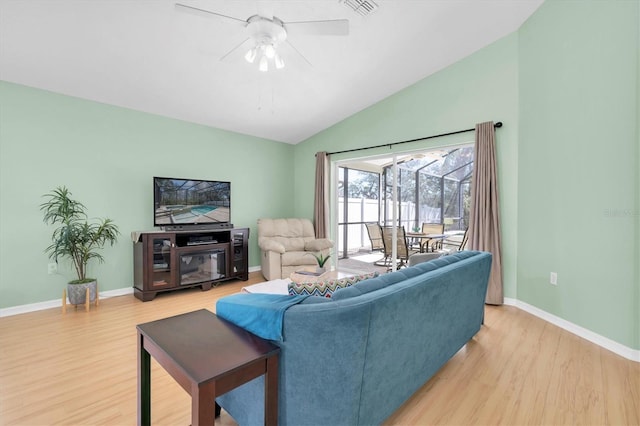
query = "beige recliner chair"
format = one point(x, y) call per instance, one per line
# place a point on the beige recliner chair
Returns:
point(288, 245)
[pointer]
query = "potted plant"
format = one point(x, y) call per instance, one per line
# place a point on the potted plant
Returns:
point(321, 259)
point(77, 239)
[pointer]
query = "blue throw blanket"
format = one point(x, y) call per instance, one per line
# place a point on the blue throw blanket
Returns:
point(261, 314)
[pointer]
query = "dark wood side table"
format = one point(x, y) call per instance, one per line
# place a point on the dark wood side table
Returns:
point(208, 357)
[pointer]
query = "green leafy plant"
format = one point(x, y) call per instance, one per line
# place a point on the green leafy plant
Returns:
point(321, 259)
point(75, 238)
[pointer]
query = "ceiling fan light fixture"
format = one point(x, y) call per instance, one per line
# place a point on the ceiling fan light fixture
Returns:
point(269, 51)
point(264, 64)
point(278, 61)
point(250, 56)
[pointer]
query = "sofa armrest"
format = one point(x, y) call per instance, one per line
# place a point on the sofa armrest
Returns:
point(267, 244)
point(261, 314)
point(318, 244)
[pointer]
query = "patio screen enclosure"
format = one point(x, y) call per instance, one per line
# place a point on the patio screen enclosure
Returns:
point(432, 187)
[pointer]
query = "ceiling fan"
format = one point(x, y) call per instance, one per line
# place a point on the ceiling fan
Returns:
point(266, 35)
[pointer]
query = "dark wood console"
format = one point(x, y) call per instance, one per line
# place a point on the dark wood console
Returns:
point(171, 260)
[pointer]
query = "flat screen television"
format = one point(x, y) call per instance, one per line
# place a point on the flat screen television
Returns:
point(191, 202)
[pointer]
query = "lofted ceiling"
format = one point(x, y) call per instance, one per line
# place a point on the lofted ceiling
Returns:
point(150, 56)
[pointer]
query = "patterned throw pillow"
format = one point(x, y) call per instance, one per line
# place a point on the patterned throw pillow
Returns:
point(326, 288)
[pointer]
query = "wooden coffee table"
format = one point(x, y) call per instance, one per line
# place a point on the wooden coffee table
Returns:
point(208, 357)
point(297, 277)
point(280, 286)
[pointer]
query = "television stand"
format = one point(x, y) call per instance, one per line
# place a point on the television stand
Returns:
point(173, 260)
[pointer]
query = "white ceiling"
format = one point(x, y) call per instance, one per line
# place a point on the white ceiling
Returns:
point(148, 56)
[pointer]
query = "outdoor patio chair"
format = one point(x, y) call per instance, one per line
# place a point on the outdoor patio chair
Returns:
point(454, 243)
point(402, 251)
point(432, 243)
point(375, 236)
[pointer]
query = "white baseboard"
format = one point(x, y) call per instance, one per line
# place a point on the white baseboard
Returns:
point(39, 306)
point(604, 342)
point(57, 303)
point(615, 347)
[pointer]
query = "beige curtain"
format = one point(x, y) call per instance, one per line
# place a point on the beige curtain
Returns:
point(321, 199)
point(484, 220)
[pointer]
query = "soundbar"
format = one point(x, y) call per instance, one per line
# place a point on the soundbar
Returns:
point(203, 227)
point(199, 243)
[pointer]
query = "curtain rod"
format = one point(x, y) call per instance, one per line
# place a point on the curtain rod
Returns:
point(496, 125)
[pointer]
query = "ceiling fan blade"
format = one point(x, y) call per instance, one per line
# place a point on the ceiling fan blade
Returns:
point(291, 47)
point(337, 27)
point(206, 13)
point(229, 54)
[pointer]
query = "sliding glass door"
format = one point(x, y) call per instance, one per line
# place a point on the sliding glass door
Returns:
point(358, 203)
point(432, 187)
point(408, 189)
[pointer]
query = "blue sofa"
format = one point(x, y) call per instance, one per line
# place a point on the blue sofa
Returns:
point(356, 358)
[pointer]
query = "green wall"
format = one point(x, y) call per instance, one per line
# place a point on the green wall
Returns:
point(566, 87)
point(578, 174)
point(107, 157)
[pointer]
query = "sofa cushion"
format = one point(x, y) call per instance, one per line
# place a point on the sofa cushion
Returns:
point(292, 243)
point(318, 244)
point(315, 299)
point(385, 280)
point(346, 293)
point(292, 233)
point(267, 244)
point(326, 288)
point(292, 258)
point(374, 284)
point(443, 261)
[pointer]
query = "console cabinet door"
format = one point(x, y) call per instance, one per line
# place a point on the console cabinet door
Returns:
point(158, 261)
point(240, 247)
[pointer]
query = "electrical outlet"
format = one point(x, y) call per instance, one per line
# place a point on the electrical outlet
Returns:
point(52, 268)
point(553, 278)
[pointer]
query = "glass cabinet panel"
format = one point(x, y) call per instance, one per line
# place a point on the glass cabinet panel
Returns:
point(203, 265)
point(161, 262)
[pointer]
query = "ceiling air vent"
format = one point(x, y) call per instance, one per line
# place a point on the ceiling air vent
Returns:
point(361, 7)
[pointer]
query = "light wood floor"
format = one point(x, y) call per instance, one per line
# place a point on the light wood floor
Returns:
point(80, 369)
